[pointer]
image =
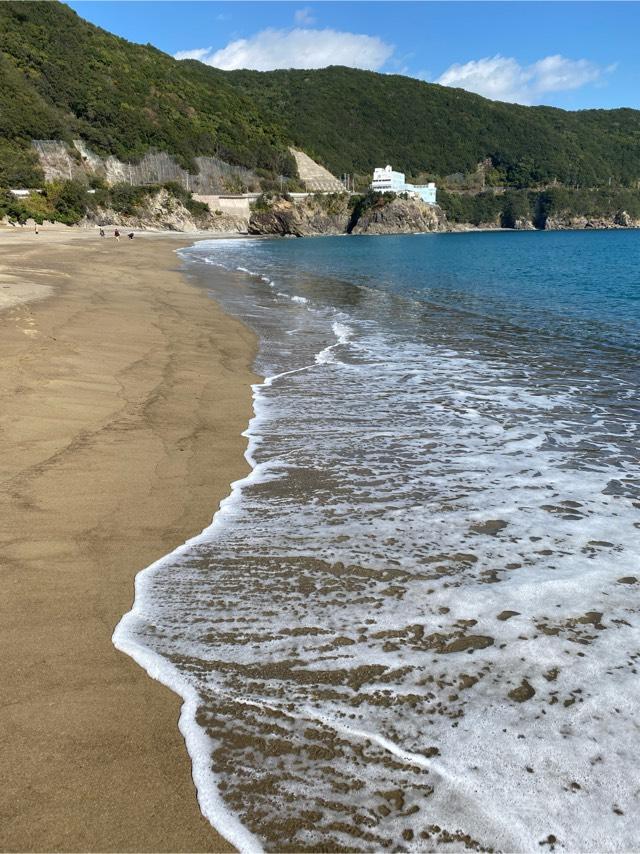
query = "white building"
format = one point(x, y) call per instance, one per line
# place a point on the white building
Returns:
point(385, 180)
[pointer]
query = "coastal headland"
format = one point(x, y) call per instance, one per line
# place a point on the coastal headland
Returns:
point(123, 394)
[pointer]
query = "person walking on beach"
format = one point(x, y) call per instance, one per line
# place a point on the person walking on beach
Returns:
point(116, 234)
point(102, 232)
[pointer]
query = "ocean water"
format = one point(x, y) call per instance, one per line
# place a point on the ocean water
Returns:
point(416, 625)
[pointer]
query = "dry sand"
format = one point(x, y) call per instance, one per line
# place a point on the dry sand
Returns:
point(123, 393)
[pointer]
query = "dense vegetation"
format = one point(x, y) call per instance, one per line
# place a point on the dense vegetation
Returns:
point(62, 201)
point(63, 78)
point(69, 202)
point(354, 120)
point(537, 207)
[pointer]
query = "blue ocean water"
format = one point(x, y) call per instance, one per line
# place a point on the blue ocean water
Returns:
point(415, 625)
point(575, 283)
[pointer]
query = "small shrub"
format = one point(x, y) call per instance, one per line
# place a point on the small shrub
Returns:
point(125, 199)
point(266, 201)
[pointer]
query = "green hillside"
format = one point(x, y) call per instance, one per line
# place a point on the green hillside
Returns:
point(354, 120)
point(63, 78)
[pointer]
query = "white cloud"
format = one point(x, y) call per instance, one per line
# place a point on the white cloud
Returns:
point(557, 74)
point(197, 53)
point(304, 17)
point(296, 48)
point(504, 79)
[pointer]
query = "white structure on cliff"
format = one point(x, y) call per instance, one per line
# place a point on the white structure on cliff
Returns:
point(385, 180)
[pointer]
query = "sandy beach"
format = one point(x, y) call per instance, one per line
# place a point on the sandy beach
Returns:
point(123, 394)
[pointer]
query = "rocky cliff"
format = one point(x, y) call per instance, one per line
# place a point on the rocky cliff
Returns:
point(566, 221)
point(311, 216)
point(399, 216)
point(163, 211)
point(340, 214)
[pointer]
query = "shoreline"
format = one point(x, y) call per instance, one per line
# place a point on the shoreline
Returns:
point(123, 401)
point(189, 237)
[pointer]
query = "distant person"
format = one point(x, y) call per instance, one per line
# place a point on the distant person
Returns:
point(130, 235)
point(116, 234)
point(102, 232)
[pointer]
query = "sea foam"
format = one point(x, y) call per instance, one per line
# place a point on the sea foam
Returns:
point(415, 623)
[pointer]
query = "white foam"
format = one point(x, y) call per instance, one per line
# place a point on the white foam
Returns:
point(381, 464)
point(126, 639)
point(198, 745)
point(127, 632)
point(342, 331)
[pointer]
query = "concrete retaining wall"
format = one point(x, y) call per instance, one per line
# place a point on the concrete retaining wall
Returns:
point(237, 206)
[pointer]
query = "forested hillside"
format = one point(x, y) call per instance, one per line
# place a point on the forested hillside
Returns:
point(63, 78)
point(352, 120)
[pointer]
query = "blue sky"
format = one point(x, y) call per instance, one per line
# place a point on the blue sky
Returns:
point(567, 54)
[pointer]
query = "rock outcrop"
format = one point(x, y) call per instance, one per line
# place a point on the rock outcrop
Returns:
point(523, 224)
point(311, 216)
point(163, 211)
point(567, 221)
point(400, 216)
point(336, 214)
point(625, 220)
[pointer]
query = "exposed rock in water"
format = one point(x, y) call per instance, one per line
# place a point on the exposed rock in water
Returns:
point(506, 615)
point(471, 226)
point(313, 215)
point(566, 221)
point(524, 225)
point(492, 527)
point(335, 214)
point(400, 216)
point(625, 220)
point(467, 643)
point(523, 693)
point(342, 214)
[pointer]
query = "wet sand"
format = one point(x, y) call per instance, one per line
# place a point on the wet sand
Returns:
point(123, 393)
